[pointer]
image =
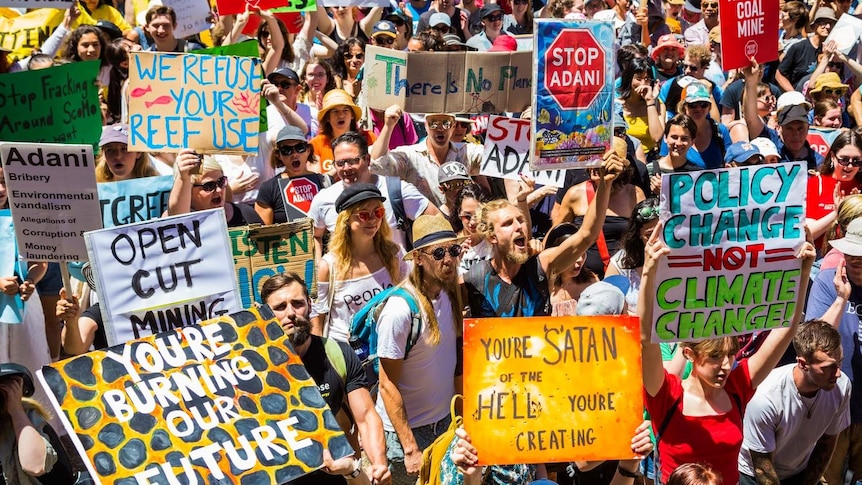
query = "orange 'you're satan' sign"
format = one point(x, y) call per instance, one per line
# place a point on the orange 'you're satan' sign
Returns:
point(552, 389)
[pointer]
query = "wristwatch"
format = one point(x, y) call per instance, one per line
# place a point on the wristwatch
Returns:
point(357, 469)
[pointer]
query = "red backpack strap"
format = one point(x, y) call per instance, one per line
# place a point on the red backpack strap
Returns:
point(601, 242)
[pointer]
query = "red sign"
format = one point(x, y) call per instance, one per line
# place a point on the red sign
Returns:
point(292, 20)
point(229, 7)
point(748, 29)
point(818, 143)
point(298, 193)
point(575, 69)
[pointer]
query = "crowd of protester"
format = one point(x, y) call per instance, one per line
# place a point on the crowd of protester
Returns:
point(400, 202)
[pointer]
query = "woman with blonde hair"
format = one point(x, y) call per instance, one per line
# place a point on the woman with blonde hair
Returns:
point(200, 185)
point(362, 261)
point(115, 162)
point(849, 209)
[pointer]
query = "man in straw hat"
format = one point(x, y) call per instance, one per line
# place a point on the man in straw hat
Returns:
point(415, 392)
point(514, 282)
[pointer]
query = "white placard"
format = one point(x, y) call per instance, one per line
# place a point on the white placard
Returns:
point(507, 152)
point(192, 16)
point(846, 33)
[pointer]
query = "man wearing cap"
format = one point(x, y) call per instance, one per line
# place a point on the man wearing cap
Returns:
point(836, 297)
point(801, 58)
point(741, 154)
point(281, 88)
point(699, 32)
point(418, 164)
point(452, 177)
point(440, 22)
point(416, 389)
point(457, 18)
point(384, 34)
point(492, 19)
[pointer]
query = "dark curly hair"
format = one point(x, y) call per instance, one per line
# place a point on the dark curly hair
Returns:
point(75, 38)
point(339, 67)
point(644, 212)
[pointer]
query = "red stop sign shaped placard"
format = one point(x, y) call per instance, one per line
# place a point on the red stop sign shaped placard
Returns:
point(818, 143)
point(299, 193)
point(574, 69)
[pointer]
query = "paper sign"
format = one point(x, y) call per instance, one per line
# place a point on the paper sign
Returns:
point(846, 33)
point(507, 152)
point(55, 105)
point(355, 3)
point(26, 32)
point(165, 274)
point(733, 235)
point(230, 7)
point(573, 93)
point(227, 401)
point(192, 16)
point(207, 103)
point(748, 29)
point(450, 82)
point(36, 3)
point(263, 251)
point(11, 306)
point(552, 389)
point(297, 194)
point(136, 200)
point(52, 193)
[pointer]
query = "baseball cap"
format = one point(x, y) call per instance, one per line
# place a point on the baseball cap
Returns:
point(765, 146)
point(692, 6)
point(741, 152)
point(696, 92)
point(384, 27)
point(118, 133)
point(11, 369)
point(452, 171)
point(110, 29)
point(490, 9)
point(791, 114)
point(851, 243)
point(603, 298)
point(290, 133)
point(439, 18)
point(504, 43)
point(791, 98)
point(283, 71)
point(356, 193)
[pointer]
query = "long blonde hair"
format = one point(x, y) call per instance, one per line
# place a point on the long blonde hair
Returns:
point(341, 246)
point(142, 168)
point(415, 281)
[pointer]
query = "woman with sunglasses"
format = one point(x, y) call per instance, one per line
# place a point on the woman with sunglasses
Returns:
point(643, 112)
point(713, 138)
point(520, 21)
point(338, 115)
point(347, 64)
point(200, 184)
point(362, 260)
point(838, 178)
point(292, 152)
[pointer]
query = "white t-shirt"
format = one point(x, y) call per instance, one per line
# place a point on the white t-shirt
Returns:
point(427, 381)
point(777, 421)
point(323, 206)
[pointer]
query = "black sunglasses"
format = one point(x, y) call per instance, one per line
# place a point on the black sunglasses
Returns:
point(215, 184)
point(440, 253)
point(285, 84)
point(289, 150)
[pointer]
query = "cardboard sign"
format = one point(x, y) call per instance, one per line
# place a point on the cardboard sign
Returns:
point(26, 32)
point(447, 82)
point(11, 306)
point(207, 103)
point(263, 251)
point(192, 16)
point(55, 105)
point(297, 194)
point(520, 404)
point(52, 193)
point(507, 152)
point(136, 200)
point(748, 29)
point(573, 93)
point(733, 235)
point(230, 7)
point(846, 33)
point(226, 401)
point(169, 273)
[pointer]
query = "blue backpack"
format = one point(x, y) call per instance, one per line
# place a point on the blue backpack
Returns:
point(363, 328)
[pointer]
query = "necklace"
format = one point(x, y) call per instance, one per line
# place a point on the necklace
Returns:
point(810, 408)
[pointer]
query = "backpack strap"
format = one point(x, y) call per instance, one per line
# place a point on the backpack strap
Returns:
point(336, 358)
point(415, 318)
point(396, 199)
point(666, 421)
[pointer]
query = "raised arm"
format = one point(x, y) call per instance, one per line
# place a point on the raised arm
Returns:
point(180, 200)
point(749, 108)
point(653, 369)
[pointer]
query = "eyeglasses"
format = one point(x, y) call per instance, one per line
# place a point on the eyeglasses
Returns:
point(366, 216)
point(494, 18)
point(467, 216)
point(359, 56)
point(647, 213)
point(347, 161)
point(845, 161)
point(454, 184)
point(285, 84)
point(699, 105)
point(767, 98)
point(383, 40)
point(691, 67)
point(440, 253)
point(215, 184)
point(287, 151)
point(521, 2)
point(834, 91)
point(436, 125)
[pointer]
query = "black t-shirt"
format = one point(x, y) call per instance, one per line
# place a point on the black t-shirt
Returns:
point(732, 96)
point(800, 59)
point(270, 196)
point(489, 296)
point(100, 340)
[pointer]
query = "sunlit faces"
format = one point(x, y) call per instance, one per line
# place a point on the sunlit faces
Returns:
point(89, 48)
point(440, 261)
point(415, 45)
point(846, 163)
point(354, 60)
point(511, 234)
point(440, 129)
point(832, 118)
point(291, 308)
point(647, 230)
point(853, 266)
point(208, 191)
point(355, 164)
point(120, 161)
point(668, 59)
point(366, 219)
point(294, 156)
point(315, 77)
point(678, 140)
point(161, 27)
point(469, 209)
point(339, 118)
point(713, 370)
point(824, 370)
point(766, 103)
point(709, 10)
point(793, 135)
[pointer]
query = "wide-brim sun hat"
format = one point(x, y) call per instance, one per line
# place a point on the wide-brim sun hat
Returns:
point(851, 243)
point(431, 230)
point(338, 97)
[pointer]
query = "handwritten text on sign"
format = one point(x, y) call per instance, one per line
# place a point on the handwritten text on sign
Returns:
point(204, 102)
point(227, 401)
point(733, 235)
point(507, 152)
point(519, 402)
point(165, 274)
point(136, 200)
point(52, 193)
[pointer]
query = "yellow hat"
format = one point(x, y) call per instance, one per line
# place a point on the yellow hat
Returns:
point(828, 80)
point(338, 97)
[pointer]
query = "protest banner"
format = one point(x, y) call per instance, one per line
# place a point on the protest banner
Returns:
point(573, 93)
point(846, 33)
point(136, 200)
point(230, 7)
point(11, 306)
point(355, 3)
point(263, 251)
point(447, 82)
point(212, 105)
point(55, 105)
point(297, 194)
point(192, 16)
point(36, 3)
point(821, 138)
point(226, 401)
point(507, 152)
point(748, 29)
point(53, 197)
point(733, 235)
point(23, 33)
point(164, 274)
point(519, 402)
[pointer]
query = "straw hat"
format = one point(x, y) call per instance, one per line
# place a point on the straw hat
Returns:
point(431, 230)
point(828, 80)
point(338, 97)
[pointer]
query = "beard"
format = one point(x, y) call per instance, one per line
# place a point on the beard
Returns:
point(516, 256)
point(301, 331)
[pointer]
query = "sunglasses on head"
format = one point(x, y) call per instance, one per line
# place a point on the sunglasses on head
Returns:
point(440, 253)
point(359, 56)
point(845, 161)
point(699, 105)
point(347, 161)
point(287, 151)
point(494, 18)
point(215, 184)
point(647, 213)
point(382, 39)
point(366, 216)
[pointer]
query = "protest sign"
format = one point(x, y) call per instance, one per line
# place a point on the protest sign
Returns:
point(52, 193)
point(573, 93)
point(59, 104)
point(11, 306)
point(23, 33)
point(507, 152)
point(748, 29)
point(846, 33)
point(821, 138)
point(36, 3)
point(519, 402)
point(263, 251)
point(212, 105)
point(297, 194)
point(136, 200)
point(733, 235)
point(355, 3)
point(447, 82)
point(230, 7)
point(192, 16)
point(226, 401)
point(164, 274)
